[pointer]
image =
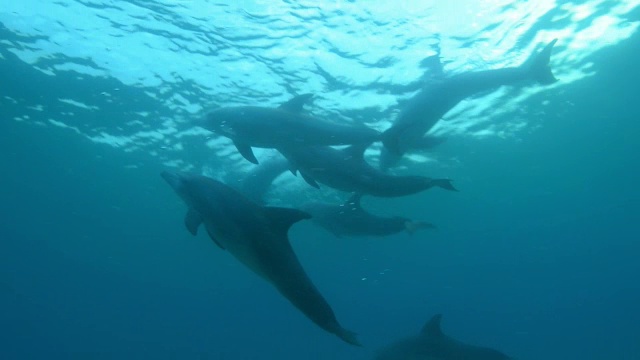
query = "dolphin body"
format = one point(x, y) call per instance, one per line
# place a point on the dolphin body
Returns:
point(426, 108)
point(346, 170)
point(350, 219)
point(256, 236)
point(256, 183)
point(262, 127)
point(433, 344)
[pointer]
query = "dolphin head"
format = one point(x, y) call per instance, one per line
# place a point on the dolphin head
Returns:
point(175, 180)
point(187, 186)
point(197, 191)
point(221, 120)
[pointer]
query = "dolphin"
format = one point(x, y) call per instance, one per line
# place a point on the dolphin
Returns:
point(428, 106)
point(350, 219)
point(256, 236)
point(262, 127)
point(433, 344)
point(346, 170)
point(257, 182)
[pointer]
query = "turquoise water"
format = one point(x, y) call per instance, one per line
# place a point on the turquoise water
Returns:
point(537, 255)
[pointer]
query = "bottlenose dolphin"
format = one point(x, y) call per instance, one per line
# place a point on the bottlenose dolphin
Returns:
point(346, 170)
point(256, 236)
point(350, 219)
point(258, 180)
point(433, 344)
point(262, 127)
point(428, 106)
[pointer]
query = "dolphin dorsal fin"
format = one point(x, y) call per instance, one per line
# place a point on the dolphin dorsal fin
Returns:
point(296, 104)
point(282, 218)
point(432, 327)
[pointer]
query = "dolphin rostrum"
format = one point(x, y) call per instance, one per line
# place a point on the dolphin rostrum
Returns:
point(350, 219)
point(256, 236)
point(263, 127)
point(424, 110)
point(347, 170)
point(433, 344)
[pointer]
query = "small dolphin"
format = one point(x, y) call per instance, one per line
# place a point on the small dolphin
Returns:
point(252, 126)
point(433, 344)
point(427, 107)
point(347, 170)
point(350, 219)
point(256, 236)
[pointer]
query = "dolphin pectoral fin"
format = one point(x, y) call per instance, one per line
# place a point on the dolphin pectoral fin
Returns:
point(412, 226)
point(192, 221)
point(432, 327)
point(348, 336)
point(443, 183)
point(283, 218)
point(296, 103)
point(309, 180)
point(246, 152)
point(214, 238)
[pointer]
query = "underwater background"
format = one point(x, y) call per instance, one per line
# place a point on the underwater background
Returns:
point(537, 255)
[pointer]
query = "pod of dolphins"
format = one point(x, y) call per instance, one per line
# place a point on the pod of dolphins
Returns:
point(238, 221)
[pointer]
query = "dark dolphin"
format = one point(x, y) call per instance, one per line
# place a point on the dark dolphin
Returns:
point(350, 219)
point(346, 170)
point(427, 107)
point(433, 344)
point(262, 127)
point(256, 236)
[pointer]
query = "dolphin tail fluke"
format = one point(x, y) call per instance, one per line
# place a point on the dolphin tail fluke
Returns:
point(539, 65)
point(391, 141)
point(391, 152)
point(348, 336)
point(412, 226)
point(387, 159)
point(444, 183)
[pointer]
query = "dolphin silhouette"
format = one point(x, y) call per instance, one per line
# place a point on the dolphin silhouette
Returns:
point(428, 106)
point(350, 219)
point(256, 236)
point(346, 170)
point(433, 344)
point(263, 127)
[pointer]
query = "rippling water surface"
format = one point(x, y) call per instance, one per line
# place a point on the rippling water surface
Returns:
point(536, 255)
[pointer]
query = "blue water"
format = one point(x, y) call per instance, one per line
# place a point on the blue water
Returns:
point(537, 255)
